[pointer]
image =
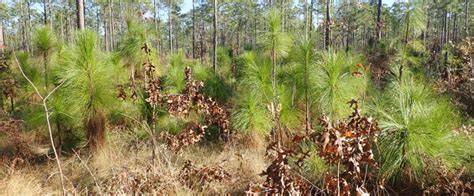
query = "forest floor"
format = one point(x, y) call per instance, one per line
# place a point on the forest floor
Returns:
point(126, 165)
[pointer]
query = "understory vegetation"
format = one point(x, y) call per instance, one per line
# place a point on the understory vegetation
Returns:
point(236, 97)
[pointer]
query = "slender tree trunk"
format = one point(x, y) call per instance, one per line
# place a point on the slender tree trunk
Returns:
point(45, 64)
point(282, 12)
point(23, 28)
point(466, 17)
point(68, 22)
point(45, 12)
point(60, 140)
point(194, 32)
point(445, 27)
point(155, 20)
point(400, 70)
point(446, 40)
point(28, 27)
point(347, 40)
point(121, 16)
point(448, 27)
point(274, 97)
point(50, 11)
point(306, 18)
point(80, 14)
point(170, 26)
point(61, 25)
point(327, 32)
point(407, 32)
point(426, 34)
point(214, 56)
point(454, 33)
point(306, 97)
point(2, 42)
point(254, 45)
point(311, 8)
point(2, 46)
point(201, 38)
point(176, 37)
point(378, 28)
point(106, 34)
point(111, 25)
point(99, 18)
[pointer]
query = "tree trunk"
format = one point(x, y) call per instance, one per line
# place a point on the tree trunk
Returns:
point(347, 39)
point(2, 42)
point(454, 33)
point(327, 32)
point(45, 12)
point(60, 140)
point(80, 14)
point(311, 16)
point(466, 17)
point(306, 18)
point(214, 56)
point(170, 26)
point(45, 67)
point(254, 45)
point(445, 27)
point(50, 12)
point(23, 28)
point(274, 97)
point(61, 25)
point(378, 27)
point(99, 18)
point(67, 24)
point(155, 20)
point(95, 127)
point(2, 46)
point(201, 38)
point(282, 12)
point(407, 33)
point(194, 34)
point(306, 97)
point(426, 34)
point(106, 32)
point(446, 40)
point(121, 16)
point(28, 27)
point(111, 25)
point(176, 38)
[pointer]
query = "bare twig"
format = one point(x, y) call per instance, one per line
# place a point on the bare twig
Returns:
point(90, 172)
point(338, 184)
point(45, 106)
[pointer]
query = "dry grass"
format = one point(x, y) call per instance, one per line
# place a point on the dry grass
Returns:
point(125, 166)
point(22, 184)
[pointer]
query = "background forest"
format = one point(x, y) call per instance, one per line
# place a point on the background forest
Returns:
point(307, 97)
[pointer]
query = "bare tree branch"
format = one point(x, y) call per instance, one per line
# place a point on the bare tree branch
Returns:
point(45, 106)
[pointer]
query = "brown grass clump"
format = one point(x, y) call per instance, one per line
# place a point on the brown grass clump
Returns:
point(21, 184)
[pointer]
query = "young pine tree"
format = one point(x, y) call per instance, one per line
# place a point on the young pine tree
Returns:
point(89, 85)
point(417, 131)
